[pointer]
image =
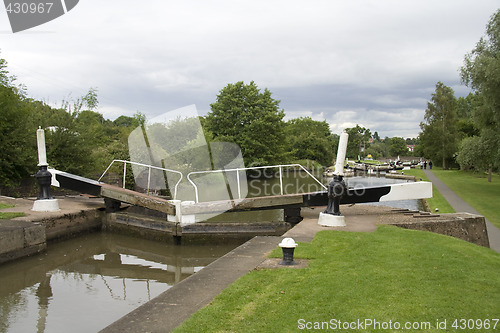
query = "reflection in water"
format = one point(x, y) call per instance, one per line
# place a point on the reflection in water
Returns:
point(85, 284)
point(44, 294)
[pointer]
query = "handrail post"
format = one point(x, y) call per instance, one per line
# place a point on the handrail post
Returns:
point(238, 182)
point(124, 173)
point(149, 179)
point(281, 181)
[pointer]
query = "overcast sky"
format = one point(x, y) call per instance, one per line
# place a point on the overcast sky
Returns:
point(369, 62)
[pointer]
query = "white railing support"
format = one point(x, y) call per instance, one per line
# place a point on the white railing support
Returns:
point(237, 170)
point(149, 173)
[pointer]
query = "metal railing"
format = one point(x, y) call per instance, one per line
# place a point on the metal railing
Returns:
point(149, 173)
point(237, 170)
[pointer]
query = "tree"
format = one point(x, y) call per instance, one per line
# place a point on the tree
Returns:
point(439, 131)
point(358, 140)
point(17, 139)
point(378, 149)
point(398, 147)
point(481, 72)
point(244, 115)
point(310, 139)
point(472, 154)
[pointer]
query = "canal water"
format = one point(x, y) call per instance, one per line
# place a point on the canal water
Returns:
point(85, 284)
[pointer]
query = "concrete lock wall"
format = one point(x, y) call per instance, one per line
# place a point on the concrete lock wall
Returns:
point(20, 240)
point(29, 234)
point(465, 226)
point(69, 225)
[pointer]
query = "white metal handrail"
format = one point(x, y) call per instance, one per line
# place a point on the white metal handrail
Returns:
point(237, 170)
point(149, 173)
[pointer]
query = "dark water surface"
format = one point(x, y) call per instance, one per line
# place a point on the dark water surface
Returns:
point(85, 284)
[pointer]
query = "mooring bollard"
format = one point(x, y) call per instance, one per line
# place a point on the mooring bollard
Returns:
point(288, 246)
point(336, 190)
point(44, 178)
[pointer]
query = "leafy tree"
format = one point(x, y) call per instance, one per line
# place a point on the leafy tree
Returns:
point(17, 140)
point(481, 72)
point(310, 139)
point(473, 153)
point(6, 80)
point(125, 121)
point(250, 118)
point(89, 101)
point(439, 131)
point(398, 147)
point(358, 138)
point(378, 149)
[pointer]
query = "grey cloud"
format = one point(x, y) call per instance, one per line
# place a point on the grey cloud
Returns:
point(367, 62)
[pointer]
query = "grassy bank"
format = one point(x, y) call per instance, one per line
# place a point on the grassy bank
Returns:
point(8, 215)
point(474, 189)
point(437, 200)
point(392, 274)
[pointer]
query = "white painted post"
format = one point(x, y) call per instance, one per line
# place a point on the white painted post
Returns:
point(42, 153)
point(179, 216)
point(178, 212)
point(187, 219)
point(124, 173)
point(341, 152)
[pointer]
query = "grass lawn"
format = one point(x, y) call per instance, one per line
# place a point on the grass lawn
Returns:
point(474, 189)
point(8, 215)
point(437, 200)
point(392, 274)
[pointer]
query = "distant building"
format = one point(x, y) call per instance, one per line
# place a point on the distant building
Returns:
point(410, 147)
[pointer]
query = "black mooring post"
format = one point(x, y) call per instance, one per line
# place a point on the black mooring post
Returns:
point(44, 177)
point(336, 189)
